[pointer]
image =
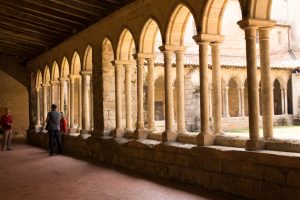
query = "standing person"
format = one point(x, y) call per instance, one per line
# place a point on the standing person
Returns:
point(63, 128)
point(6, 123)
point(53, 128)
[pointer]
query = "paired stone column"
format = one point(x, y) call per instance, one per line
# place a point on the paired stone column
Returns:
point(79, 103)
point(52, 91)
point(169, 134)
point(72, 102)
point(285, 101)
point(128, 97)
point(118, 132)
point(266, 83)
point(226, 102)
point(86, 91)
point(140, 92)
point(250, 28)
point(217, 88)
point(241, 101)
point(45, 106)
point(180, 89)
point(151, 99)
point(38, 112)
point(210, 101)
point(62, 94)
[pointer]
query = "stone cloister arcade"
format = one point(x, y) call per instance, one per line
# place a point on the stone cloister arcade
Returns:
point(148, 89)
point(128, 79)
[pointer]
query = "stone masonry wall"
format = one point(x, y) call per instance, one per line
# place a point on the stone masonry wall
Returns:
point(260, 175)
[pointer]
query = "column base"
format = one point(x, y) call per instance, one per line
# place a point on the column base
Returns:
point(254, 145)
point(169, 136)
point(141, 133)
point(117, 133)
point(219, 133)
point(204, 139)
point(74, 130)
point(38, 128)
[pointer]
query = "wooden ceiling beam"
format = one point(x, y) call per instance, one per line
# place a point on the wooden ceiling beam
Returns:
point(11, 27)
point(100, 4)
point(16, 23)
point(44, 13)
point(62, 9)
point(82, 7)
point(40, 21)
point(19, 48)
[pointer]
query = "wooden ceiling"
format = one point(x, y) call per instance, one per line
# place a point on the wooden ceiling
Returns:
point(31, 27)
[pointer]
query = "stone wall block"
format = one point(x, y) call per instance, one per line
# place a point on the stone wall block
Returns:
point(203, 178)
point(218, 182)
point(128, 151)
point(252, 171)
point(231, 167)
point(267, 191)
point(195, 162)
point(293, 178)
point(212, 165)
point(274, 175)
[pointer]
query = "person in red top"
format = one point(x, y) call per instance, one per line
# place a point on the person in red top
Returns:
point(6, 124)
point(63, 128)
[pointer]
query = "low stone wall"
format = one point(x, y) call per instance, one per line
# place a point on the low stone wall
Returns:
point(252, 175)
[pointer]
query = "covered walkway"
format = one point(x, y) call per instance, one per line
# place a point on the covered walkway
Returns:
point(29, 173)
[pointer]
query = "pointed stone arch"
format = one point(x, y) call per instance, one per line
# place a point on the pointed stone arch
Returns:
point(46, 76)
point(39, 79)
point(54, 71)
point(177, 25)
point(65, 68)
point(126, 46)
point(76, 64)
point(150, 34)
point(88, 59)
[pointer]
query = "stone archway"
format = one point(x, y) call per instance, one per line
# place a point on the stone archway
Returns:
point(277, 98)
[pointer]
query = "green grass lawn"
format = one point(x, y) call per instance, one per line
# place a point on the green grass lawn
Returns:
point(282, 132)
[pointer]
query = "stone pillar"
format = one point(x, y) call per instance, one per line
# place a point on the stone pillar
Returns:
point(210, 101)
point(151, 99)
point(45, 107)
point(140, 92)
point(266, 83)
point(169, 134)
point(118, 131)
point(128, 97)
point(52, 90)
point(61, 94)
point(180, 90)
point(282, 101)
point(226, 102)
point(86, 90)
point(285, 102)
point(38, 112)
point(217, 88)
point(72, 102)
point(79, 104)
point(69, 102)
point(253, 94)
point(241, 102)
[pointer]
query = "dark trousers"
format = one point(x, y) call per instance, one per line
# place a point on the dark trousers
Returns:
point(54, 138)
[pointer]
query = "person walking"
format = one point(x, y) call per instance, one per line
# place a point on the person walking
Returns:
point(7, 123)
point(53, 128)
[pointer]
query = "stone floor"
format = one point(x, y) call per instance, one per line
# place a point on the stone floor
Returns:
point(28, 173)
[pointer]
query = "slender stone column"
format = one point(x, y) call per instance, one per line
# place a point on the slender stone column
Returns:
point(217, 88)
point(86, 89)
point(140, 92)
point(241, 102)
point(180, 90)
point(128, 97)
point(266, 83)
point(38, 112)
point(45, 107)
point(52, 90)
point(253, 94)
point(210, 101)
point(285, 102)
point(79, 103)
point(118, 68)
point(150, 79)
point(226, 103)
point(282, 101)
point(204, 104)
point(72, 102)
point(69, 101)
point(61, 94)
point(169, 134)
